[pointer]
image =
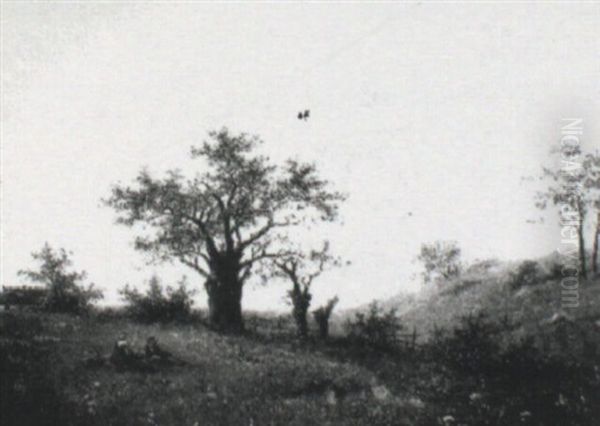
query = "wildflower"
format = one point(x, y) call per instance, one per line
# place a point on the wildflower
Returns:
point(562, 401)
point(475, 396)
point(448, 420)
point(525, 416)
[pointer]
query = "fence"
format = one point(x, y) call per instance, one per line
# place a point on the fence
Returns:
point(408, 340)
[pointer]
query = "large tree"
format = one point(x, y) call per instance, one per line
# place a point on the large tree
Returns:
point(231, 218)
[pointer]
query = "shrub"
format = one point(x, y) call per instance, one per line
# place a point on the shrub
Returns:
point(64, 290)
point(23, 296)
point(491, 378)
point(555, 270)
point(528, 274)
point(159, 303)
point(110, 313)
point(470, 348)
point(376, 328)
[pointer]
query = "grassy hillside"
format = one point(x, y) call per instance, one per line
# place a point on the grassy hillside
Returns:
point(51, 375)
point(523, 362)
point(531, 310)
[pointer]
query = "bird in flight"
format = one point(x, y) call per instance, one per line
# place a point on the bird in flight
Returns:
point(304, 115)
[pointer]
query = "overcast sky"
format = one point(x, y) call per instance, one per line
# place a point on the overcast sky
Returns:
point(430, 109)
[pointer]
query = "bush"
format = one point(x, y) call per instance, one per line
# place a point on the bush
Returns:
point(159, 303)
point(76, 300)
point(489, 381)
point(64, 290)
point(555, 270)
point(470, 348)
point(23, 296)
point(528, 274)
point(376, 328)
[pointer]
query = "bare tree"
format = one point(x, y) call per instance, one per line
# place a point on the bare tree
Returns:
point(322, 316)
point(302, 269)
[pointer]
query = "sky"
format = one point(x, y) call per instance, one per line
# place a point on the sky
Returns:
point(427, 115)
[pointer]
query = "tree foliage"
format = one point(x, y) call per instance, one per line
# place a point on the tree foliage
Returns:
point(574, 188)
point(527, 274)
point(65, 289)
point(231, 218)
point(440, 259)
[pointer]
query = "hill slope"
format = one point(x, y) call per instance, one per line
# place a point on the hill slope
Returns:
point(491, 288)
point(56, 370)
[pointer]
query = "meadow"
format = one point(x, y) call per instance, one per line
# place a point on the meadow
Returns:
point(486, 353)
point(56, 370)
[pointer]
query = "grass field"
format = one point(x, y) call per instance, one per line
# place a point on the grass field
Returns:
point(55, 368)
point(226, 380)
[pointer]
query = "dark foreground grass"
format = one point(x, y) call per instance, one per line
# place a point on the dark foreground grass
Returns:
point(51, 376)
point(54, 373)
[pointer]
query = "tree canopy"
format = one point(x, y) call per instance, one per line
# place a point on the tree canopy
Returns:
point(65, 289)
point(234, 215)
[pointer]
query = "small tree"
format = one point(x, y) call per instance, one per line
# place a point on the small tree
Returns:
point(322, 315)
point(65, 290)
point(302, 269)
point(440, 259)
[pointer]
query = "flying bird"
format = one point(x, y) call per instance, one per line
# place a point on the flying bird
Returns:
point(304, 115)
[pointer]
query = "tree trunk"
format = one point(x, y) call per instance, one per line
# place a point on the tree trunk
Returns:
point(324, 328)
point(595, 251)
point(581, 242)
point(225, 303)
point(300, 297)
point(301, 321)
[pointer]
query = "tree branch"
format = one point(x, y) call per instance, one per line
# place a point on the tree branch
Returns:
point(226, 223)
point(194, 264)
